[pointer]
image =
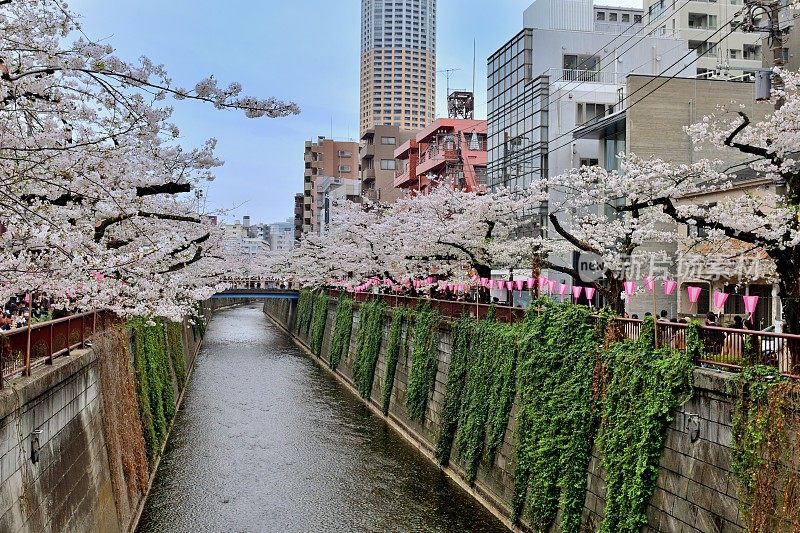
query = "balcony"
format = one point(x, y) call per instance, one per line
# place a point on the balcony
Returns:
point(366, 151)
point(584, 76)
point(368, 174)
point(403, 178)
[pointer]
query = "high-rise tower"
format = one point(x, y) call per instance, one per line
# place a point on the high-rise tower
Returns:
point(398, 63)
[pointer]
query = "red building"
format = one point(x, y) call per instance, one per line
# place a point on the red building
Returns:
point(449, 150)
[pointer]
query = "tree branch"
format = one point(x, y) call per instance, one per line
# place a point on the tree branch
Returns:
point(163, 188)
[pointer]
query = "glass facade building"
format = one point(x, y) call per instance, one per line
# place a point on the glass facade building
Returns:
point(517, 115)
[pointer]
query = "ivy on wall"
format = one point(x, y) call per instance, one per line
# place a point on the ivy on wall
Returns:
point(460, 357)
point(154, 381)
point(424, 358)
point(394, 346)
point(644, 386)
point(305, 307)
point(318, 321)
point(176, 352)
point(368, 345)
point(342, 329)
point(556, 421)
point(489, 388)
point(765, 460)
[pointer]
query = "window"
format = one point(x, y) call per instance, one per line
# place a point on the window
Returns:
point(589, 162)
point(637, 19)
point(612, 17)
point(388, 140)
point(388, 164)
point(601, 15)
point(626, 17)
point(580, 67)
point(344, 168)
point(345, 153)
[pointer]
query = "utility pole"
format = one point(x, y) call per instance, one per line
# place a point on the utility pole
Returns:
point(771, 9)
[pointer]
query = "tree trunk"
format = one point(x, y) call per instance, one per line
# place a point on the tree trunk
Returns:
point(615, 288)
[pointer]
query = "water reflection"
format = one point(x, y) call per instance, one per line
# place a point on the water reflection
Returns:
point(267, 441)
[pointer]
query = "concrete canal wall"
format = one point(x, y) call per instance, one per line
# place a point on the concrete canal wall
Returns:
point(65, 452)
point(695, 491)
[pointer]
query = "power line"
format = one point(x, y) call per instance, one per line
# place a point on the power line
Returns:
point(630, 95)
point(620, 45)
point(653, 79)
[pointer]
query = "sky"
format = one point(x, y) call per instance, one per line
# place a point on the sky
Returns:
point(306, 51)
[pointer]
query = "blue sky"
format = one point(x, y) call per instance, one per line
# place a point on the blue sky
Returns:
point(302, 50)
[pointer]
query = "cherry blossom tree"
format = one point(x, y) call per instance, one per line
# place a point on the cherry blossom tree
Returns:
point(611, 214)
point(646, 193)
point(94, 207)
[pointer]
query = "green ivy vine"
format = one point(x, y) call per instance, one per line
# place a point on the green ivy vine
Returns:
point(342, 329)
point(461, 349)
point(556, 420)
point(368, 345)
point(488, 393)
point(645, 385)
point(394, 346)
point(424, 358)
point(154, 381)
point(318, 321)
point(766, 425)
point(305, 308)
point(176, 352)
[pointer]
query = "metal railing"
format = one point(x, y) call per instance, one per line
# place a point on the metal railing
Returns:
point(22, 349)
point(723, 348)
point(584, 76)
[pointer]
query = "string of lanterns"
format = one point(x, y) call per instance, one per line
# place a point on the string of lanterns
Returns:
point(550, 285)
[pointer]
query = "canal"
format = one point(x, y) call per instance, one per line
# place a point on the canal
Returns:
point(268, 441)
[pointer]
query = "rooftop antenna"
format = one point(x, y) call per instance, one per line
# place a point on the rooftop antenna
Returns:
point(473, 65)
point(447, 73)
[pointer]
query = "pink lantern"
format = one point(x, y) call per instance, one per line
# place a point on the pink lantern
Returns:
point(650, 283)
point(750, 303)
point(630, 288)
point(531, 283)
point(719, 299)
point(562, 289)
point(542, 281)
point(519, 284)
point(429, 280)
point(551, 285)
point(576, 293)
point(694, 293)
point(510, 285)
point(669, 286)
point(589, 293)
point(484, 282)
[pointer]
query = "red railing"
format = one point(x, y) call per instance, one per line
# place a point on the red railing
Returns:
point(724, 348)
point(23, 349)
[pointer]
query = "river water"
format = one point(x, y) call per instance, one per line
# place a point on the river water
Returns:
point(266, 441)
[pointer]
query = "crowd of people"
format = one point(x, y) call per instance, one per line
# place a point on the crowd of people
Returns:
point(17, 310)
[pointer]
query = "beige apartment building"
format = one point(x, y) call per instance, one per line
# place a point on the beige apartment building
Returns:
point(398, 63)
point(324, 158)
point(378, 165)
point(728, 56)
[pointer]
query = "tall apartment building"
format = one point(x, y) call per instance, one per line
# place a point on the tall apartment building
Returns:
point(696, 21)
point(398, 63)
point(378, 164)
point(330, 159)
